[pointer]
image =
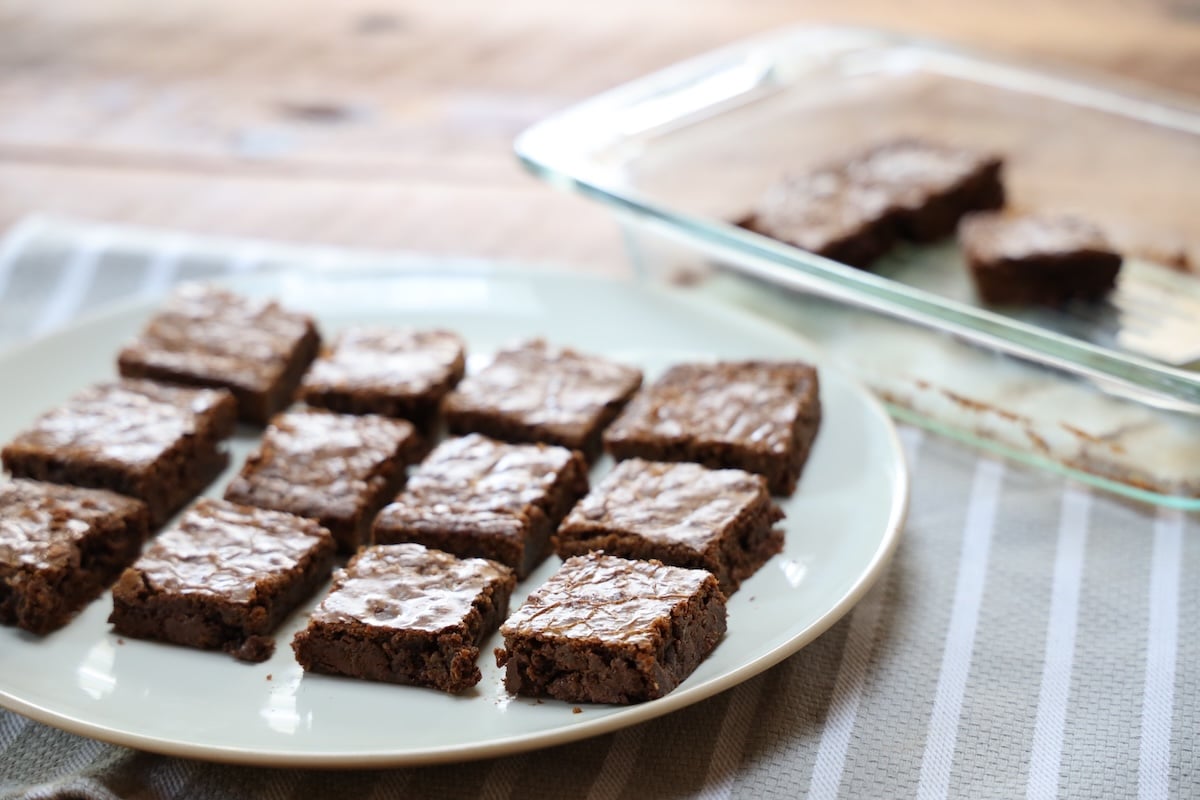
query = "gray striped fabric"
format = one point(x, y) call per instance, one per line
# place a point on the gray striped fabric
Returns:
point(1030, 639)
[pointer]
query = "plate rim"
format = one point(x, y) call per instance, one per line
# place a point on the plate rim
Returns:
point(520, 743)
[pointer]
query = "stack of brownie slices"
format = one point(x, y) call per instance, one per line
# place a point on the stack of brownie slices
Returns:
point(443, 491)
point(856, 209)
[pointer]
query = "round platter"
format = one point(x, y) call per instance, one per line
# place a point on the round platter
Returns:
point(842, 525)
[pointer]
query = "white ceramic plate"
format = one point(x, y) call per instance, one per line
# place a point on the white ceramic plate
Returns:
point(842, 524)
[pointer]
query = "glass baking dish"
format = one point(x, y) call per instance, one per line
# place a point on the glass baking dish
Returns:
point(684, 153)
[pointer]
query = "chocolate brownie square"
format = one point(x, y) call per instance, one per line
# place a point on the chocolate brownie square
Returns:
point(60, 547)
point(387, 371)
point(536, 392)
point(207, 336)
point(478, 497)
point(854, 210)
point(160, 444)
point(681, 514)
point(609, 630)
point(403, 614)
point(223, 578)
point(929, 186)
point(760, 416)
point(338, 469)
point(1038, 259)
point(826, 213)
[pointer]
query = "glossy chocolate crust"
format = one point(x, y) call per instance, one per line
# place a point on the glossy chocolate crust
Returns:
point(854, 210)
point(537, 392)
point(476, 497)
point(759, 416)
point(392, 372)
point(338, 469)
point(158, 443)
point(60, 547)
point(609, 630)
point(1038, 259)
point(207, 336)
point(223, 578)
point(405, 614)
point(681, 514)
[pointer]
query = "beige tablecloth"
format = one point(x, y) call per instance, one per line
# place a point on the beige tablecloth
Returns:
point(1030, 638)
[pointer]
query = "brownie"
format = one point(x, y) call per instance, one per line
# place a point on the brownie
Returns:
point(207, 336)
point(338, 469)
point(536, 392)
point(681, 514)
point(392, 372)
point(854, 210)
point(605, 629)
point(223, 577)
point(760, 416)
point(403, 614)
point(478, 497)
point(929, 186)
point(160, 444)
point(60, 547)
point(1038, 259)
point(826, 213)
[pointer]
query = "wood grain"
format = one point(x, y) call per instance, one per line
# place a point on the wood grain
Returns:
point(389, 124)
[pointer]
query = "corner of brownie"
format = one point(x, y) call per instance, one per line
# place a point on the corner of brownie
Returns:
point(222, 578)
point(409, 615)
point(210, 336)
point(60, 547)
point(610, 630)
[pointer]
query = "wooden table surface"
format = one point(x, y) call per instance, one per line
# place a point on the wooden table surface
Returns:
point(389, 124)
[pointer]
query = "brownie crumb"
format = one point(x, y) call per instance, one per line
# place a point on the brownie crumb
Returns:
point(253, 650)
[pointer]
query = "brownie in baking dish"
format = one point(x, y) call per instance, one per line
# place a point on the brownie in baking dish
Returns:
point(338, 469)
point(826, 213)
point(1038, 259)
point(536, 392)
point(223, 578)
point(474, 496)
point(388, 371)
point(681, 514)
point(404, 614)
point(759, 416)
point(853, 211)
point(158, 443)
point(929, 186)
point(60, 547)
point(208, 336)
point(605, 629)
